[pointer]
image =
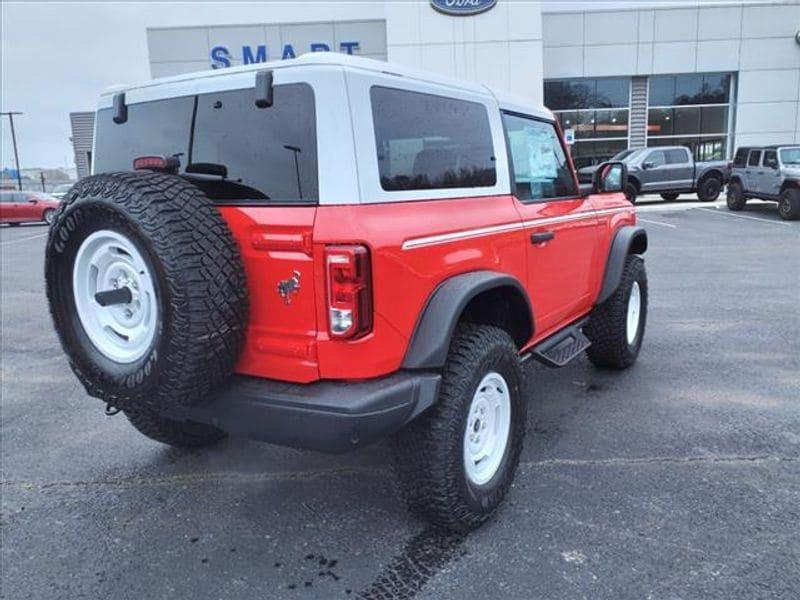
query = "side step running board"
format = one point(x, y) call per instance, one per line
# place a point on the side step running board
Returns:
point(562, 347)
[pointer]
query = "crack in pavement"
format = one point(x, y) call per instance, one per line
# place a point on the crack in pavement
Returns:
point(193, 478)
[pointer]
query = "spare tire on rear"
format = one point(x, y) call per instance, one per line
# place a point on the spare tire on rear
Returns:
point(147, 290)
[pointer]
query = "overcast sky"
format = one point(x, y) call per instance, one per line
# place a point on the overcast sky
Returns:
point(57, 57)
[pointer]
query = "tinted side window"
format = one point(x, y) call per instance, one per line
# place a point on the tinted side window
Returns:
point(675, 157)
point(270, 153)
point(7, 198)
point(158, 128)
point(755, 158)
point(541, 168)
point(741, 157)
point(431, 142)
point(771, 159)
point(657, 158)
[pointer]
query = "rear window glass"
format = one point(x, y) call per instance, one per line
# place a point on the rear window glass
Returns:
point(267, 155)
point(431, 142)
point(153, 128)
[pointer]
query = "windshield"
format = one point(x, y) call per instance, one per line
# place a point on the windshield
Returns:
point(623, 154)
point(790, 156)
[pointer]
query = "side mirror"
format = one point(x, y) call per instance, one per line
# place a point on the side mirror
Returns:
point(648, 164)
point(610, 177)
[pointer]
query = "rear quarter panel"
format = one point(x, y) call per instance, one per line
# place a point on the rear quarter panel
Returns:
point(404, 278)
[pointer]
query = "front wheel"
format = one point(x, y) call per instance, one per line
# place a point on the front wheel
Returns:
point(455, 463)
point(789, 205)
point(631, 192)
point(735, 200)
point(616, 327)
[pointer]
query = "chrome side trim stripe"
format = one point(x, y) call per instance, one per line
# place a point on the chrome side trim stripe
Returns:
point(444, 238)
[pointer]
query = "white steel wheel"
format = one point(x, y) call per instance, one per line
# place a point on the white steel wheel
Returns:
point(634, 313)
point(106, 261)
point(487, 430)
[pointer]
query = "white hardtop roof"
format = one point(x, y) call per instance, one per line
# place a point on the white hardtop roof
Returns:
point(344, 61)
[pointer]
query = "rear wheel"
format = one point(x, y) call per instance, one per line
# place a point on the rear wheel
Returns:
point(709, 188)
point(455, 463)
point(735, 198)
point(49, 215)
point(182, 434)
point(146, 289)
point(789, 205)
point(670, 196)
point(616, 327)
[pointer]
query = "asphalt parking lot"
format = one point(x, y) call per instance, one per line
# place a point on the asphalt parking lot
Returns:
point(679, 478)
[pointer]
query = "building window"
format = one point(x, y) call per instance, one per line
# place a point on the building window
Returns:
point(690, 110)
point(597, 110)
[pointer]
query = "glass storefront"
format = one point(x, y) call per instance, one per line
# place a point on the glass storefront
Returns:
point(597, 110)
point(690, 110)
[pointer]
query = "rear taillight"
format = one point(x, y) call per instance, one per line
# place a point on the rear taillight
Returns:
point(349, 291)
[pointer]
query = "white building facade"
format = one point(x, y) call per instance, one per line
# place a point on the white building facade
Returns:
point(708, 76)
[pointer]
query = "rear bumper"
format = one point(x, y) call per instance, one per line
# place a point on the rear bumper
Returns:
point(329, 416)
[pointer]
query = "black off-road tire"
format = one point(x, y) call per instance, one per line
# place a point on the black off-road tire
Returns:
point(789, 205)
point(181, 434)
point(631, 191)
point(429, 453)
point(13, 224)
point(735, 197)
point(607, 328)
point(199, 284)
point(709, 188)
point(669, 196)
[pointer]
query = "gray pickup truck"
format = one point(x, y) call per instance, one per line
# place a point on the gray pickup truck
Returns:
point(670, 171)
point(767, 173)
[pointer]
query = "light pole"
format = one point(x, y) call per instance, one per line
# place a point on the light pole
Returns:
point(14, 142)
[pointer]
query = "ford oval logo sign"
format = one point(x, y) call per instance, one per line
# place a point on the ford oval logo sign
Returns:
point(462, 8)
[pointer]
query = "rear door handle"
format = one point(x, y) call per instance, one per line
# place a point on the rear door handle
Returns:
point(544, 236)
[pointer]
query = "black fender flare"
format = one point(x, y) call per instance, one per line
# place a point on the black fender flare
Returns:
point(430, 342)
point(629, 239)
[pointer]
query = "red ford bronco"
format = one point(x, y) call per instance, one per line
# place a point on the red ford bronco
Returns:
point(330, 250)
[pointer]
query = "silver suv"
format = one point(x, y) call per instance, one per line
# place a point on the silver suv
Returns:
point(767, 173)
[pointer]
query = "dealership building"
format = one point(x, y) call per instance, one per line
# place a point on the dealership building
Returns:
point(707, 76)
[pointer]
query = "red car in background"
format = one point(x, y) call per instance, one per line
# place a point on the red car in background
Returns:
point(24, 207)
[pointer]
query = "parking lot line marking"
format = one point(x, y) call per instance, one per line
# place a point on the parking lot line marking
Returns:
point(729, 214)
point(670, 225)
point(23, 239)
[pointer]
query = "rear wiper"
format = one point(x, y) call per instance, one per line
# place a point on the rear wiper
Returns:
point(202, 168)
